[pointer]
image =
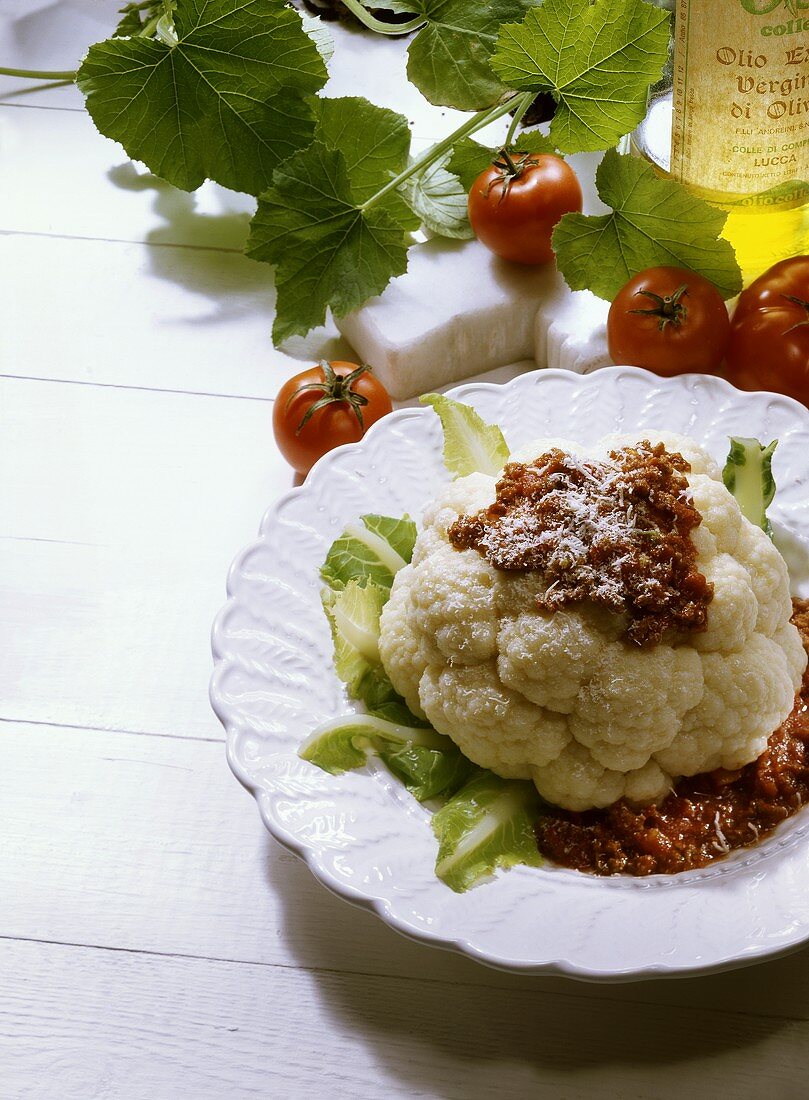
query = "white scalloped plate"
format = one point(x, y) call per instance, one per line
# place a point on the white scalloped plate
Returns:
point(361, 833)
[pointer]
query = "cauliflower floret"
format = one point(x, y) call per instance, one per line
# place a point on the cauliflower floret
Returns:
point(577, 781)
point(473, 702)
point(452, 595)
point(405, 652)
point(769, 578)
point(533, 645)
point(561, 697)
point(663, 684)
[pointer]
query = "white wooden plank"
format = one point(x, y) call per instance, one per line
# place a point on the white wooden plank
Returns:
point(169, 318)
point(43, 34)
point(149, 843)
point(91, 1024)
point(101, 193)
point(120, 520)
point(146, 843)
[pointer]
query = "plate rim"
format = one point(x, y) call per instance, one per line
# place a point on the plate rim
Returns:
point(379, 906)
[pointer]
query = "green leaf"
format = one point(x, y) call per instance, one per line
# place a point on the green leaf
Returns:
point(470, 444)
point(596, 59)
point(375, 690)
point(130, 23)
point(429, 773)
point(534, 141)
point(226, 102)
point(353, 613)
point(374, 141)
point(488, 824)
point(343, 743)
point(469, 158)
point(438, 197)
point(748, 475)
point(320, 35)
point(399, 533)
point(374, 550)
point(448, 60)
point(328, 251)
point(396, 710)
point(426, 763)
point(653, 222)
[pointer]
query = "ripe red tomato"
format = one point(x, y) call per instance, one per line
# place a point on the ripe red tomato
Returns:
point(769, 339)
point(786, 277)
point(670, 321)
point(515, 204)
point(323, 407)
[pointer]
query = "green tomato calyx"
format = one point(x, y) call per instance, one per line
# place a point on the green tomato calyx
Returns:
point(334, 388)
point(668, 308)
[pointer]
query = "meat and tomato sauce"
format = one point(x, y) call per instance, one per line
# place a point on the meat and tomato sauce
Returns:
point(615, 532)
point(704, 818)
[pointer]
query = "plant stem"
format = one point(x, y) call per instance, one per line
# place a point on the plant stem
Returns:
point(148, 28)
point(527, 100)
point(38, 74)
point(476, 122)
point(373, 24)
point(513, 170)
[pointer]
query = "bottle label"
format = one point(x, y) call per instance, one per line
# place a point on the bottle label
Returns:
point(741, 96)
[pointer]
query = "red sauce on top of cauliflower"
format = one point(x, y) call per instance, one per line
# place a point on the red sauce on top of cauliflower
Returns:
point(616, 533)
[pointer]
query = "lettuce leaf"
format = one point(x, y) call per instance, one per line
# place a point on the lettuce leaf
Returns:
point(470, 444)
point(374, 550)
point(429, 773)
point(426, 763)
point(488, 824)
point(343, 743)
point(748, 475)
point(353, 613)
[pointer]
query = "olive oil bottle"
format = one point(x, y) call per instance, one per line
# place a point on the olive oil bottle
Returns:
point(730, 120)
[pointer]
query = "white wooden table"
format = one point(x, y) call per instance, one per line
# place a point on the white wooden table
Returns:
point(154, 941)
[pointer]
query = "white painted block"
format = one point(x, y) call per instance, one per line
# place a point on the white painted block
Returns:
point(459, 311)
point(571, 330)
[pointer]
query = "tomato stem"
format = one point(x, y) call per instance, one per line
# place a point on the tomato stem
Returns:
point(508, 170)
point(510, 166)
point(333, 389)
point(797, 302)
point(668, 308)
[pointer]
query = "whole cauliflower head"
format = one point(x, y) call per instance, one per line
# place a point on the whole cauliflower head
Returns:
point(560, 696)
